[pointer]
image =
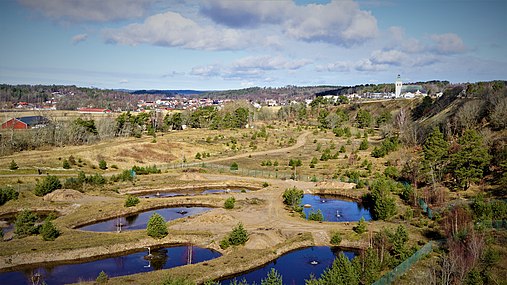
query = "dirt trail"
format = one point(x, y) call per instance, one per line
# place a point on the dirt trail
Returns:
point(301, 140)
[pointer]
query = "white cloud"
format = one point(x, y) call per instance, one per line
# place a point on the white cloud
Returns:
point(368, 65)
point(207, 70)
point(269, 63)
point(124, 81)
point(89, 10)
point(173, 30)
point(79, 38)
point(391, 57)
point(398, 40)
point(253, 67)
point(338, 22)
point(449, 43)
point(340, 66)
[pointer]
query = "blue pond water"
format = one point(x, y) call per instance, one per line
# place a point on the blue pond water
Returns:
point(334, 209)
point(139, 221)
point(296, 266)
point(126, 264)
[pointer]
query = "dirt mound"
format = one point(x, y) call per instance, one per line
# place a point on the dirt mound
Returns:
point(262, 240)
point(335, 185)
point(63, 195)
point(191, 176)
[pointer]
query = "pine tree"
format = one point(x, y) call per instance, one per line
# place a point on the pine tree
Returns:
point(468, 163)
point(341, 272)
point(25, 224)
point(156, 227)
point(384, 206)
point(364, 144)
point(361, 226)
point(435, 151)
point(273, 278)
point(49, 231)
point(13, 165)
point(47, 185)
point(102, 278)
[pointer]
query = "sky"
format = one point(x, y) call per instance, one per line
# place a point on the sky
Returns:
point(225, 44)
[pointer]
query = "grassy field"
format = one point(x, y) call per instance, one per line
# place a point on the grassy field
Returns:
point(259, 210)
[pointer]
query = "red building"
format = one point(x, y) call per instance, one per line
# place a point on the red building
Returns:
point(23, 123)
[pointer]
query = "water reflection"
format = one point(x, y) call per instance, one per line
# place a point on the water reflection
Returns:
point(296, 266)
point(126, 264)
point(335, 209)
point(139, 221)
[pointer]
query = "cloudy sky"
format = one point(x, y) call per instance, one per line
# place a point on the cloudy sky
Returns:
point(220, 44)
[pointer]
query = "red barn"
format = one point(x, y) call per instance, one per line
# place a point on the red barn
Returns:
point(26, 123)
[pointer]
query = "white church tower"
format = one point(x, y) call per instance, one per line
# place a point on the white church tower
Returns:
point(397, 84)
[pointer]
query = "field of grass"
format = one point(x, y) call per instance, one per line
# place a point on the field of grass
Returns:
point(251, 149)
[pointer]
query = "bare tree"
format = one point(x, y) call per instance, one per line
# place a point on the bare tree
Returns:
point(498, 116)
point(468, 114)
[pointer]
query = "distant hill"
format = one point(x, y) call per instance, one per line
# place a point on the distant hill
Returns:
point(167, 92)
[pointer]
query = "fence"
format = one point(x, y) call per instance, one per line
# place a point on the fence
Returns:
point(426, 209)
point(248, 172)
point(399, 270)
point(496, 224)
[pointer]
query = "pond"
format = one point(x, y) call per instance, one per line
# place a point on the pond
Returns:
point(296, 266)
point(335, 209)
point(193, 192)
point(125, 264)
point(140, 220)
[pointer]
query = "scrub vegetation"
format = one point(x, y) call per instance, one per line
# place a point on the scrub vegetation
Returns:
point(431, 168)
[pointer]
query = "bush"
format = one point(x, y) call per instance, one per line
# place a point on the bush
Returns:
point(292, 197)
point(336, 238)
point(364, 144)
point(198, 156)
point(361, 226)
point(47, 185)
point(49, 231)
point(25, 224)
point(229, 203)
point(131, 201)
point(316, 216)
point(156, 227)
point(126, 175)
point(139, 170)
point(388, 145)
point(234, 166)
point(265, 184)
point(6, 194)
point(96, 179)
point(73, 183)
point(102, 164)
point(13, 165)
point(392, 172)
point(66, 164)
point(102, 278)
point(238, 236)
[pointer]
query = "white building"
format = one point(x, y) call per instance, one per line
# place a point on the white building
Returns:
point(398, 85)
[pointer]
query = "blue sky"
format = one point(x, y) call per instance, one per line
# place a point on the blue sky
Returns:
point(217, 44)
